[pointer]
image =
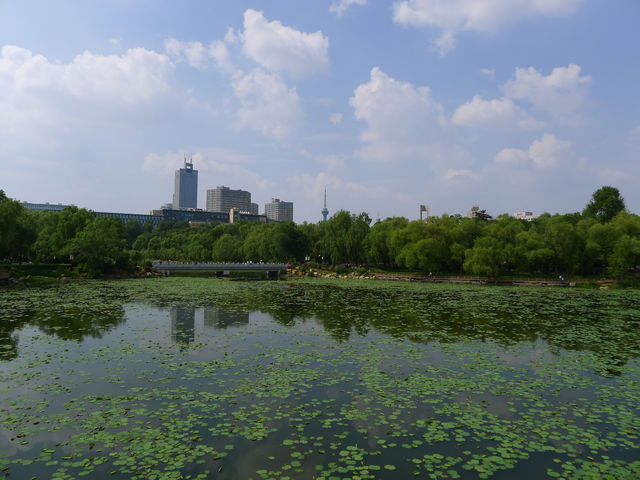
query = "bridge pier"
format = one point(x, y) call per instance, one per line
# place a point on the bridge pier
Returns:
point(273, 275)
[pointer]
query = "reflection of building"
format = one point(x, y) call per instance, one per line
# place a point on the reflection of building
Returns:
point(278, 210)
point(185, 194)
point(183, 321)
point(223, 199)
point(216, 318)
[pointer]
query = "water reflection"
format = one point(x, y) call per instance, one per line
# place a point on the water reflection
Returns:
point(218, 318)
point(69, 322)
point(183, 321)
point(603, 324)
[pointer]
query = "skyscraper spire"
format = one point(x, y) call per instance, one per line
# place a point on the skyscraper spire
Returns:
point(325, 212)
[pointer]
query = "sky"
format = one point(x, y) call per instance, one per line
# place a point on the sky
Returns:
point(507, 104)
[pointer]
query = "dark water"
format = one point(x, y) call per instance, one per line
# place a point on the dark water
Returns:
point(188, 378)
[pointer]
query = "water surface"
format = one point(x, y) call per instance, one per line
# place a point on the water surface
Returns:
point(206, 378)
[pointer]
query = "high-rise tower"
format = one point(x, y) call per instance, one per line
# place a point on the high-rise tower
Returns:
point(325, 211)
point(185, 194)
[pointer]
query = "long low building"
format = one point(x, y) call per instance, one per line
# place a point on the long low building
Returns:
point(155, 217)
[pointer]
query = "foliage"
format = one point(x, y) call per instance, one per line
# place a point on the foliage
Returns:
point(603, 240)
point(100, 246)
point(605, 204)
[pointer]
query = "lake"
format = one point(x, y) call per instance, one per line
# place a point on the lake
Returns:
point(210, 378)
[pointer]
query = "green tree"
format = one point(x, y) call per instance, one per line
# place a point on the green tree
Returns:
point(100, 247)
point(606, 203)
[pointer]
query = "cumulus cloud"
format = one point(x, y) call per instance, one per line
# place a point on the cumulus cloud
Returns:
point(544, 153)
point(36, 92)
point(266, 104)
point(402, 120)
point(332, 162)
point(138, 74)
point(214, 162)
point(336, 118)
point(284, 49)
point(451, 17)
point(197, 55)
point(496, 113)
point(452, 175)
point(313, 186)
point(562, 93)
point(512, 156)
point(340, 7)
point(488, 72)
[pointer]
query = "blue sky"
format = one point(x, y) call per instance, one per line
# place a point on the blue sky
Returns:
point(508, 104)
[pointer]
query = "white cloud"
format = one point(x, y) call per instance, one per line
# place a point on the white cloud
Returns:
point(228, 167)
point(313, 186)
point(332, 162)
point(198, 55)
point(496, 113)
point(402, 120)
point(488, 72)
point(488, 16)
point(544, 153)
point(220, 53)
point(339, 7)
point(336, 118)
point(452, 175)
point(512, 156)
point(284, 49)
point(36, 92)
point(194, 53)
point(562, 93)
point(266, 104)
point(138, 74)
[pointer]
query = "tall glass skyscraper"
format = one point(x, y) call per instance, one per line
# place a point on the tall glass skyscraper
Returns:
point(185, 194)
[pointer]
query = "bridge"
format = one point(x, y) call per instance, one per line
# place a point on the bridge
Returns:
point(222, 269)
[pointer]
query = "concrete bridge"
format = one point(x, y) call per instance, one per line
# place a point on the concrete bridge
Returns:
point(222, 269)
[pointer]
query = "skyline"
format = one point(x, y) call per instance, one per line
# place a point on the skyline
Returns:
point(512, 106)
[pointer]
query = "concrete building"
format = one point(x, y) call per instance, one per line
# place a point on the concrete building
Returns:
point(278, 210)
point(185, 194)
point(528, 216)
point(223, 199)
point(254, 209)
point(45, 207)
point(325, 210)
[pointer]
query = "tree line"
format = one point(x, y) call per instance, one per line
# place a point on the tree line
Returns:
point(603, 239)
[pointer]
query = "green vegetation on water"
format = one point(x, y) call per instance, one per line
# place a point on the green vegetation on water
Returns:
point(182, 378)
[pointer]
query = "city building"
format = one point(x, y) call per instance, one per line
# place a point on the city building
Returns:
point(223, 199)
point(45, 207)
point(185, 194)
point(475, 212)
point(528, 216)
point(193, 216)
point(255, 209)
point(278, 210)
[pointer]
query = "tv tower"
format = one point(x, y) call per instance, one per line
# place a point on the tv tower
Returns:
point(325, 212)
